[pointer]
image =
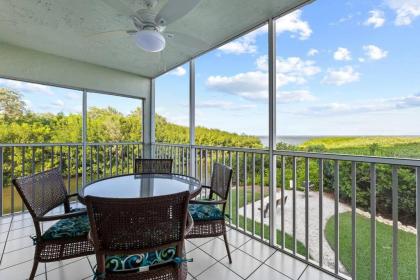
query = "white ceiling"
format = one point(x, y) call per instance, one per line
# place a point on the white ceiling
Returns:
point(66, 28)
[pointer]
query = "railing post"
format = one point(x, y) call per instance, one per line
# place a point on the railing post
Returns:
point(272, 126)
point(192, 119)
point(418, 219)
point(149, 123)
point(1, 181)
point(84, 137)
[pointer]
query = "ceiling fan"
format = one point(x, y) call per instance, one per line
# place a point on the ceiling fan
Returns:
point(150, 24)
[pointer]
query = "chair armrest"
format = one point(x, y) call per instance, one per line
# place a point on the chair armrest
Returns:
point(72, 194)
point(209, 202)
point(61, 216)
point(190, 223)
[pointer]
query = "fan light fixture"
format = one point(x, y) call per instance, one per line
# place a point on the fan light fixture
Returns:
point(150, 40)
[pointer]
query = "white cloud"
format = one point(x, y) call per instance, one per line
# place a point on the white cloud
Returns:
point(225, 105)
point(73, 95)
point(312, 52)
point(289, 23)
point(58, 103)
point(246, 44)
point(290, 70)
point(346, 18)
point(253, 85)
point(361, 59)
point(406, 10)
point(24, 87)
point(374, 53)
point(342, 54)
point(341, 76)
point(376, 19)
point(293, 23)
point(28, 103)
point(179, 71)
point(378, 105)
point(249, 85)
point(295, 96)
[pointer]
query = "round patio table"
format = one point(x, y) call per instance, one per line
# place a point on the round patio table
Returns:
point(144, 185)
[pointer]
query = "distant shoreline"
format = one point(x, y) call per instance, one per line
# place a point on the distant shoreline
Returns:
point(300, 139)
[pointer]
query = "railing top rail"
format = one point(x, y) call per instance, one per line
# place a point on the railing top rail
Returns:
point(173, 145)
point(112, 143)
point(64, 144)
point(364, 159)
point(328, 156)
point(232, 149)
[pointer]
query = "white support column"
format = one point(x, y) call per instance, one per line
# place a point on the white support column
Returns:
point(192, 118)
point(272, 125)
point(149, 122)
point(84, 136)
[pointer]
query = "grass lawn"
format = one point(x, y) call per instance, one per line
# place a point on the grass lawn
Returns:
point(387, 146)
point(406, 248)
point(300, 247)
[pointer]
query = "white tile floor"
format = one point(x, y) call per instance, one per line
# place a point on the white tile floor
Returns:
point(251, 258)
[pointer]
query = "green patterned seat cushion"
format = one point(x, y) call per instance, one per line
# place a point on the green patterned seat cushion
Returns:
point(205, 212)
point(70, 227)
point(130, 263)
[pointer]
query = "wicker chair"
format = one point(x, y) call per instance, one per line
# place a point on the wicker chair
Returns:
point(150, 166)
point(68, 238)
point(209, 219)
point(143, 239)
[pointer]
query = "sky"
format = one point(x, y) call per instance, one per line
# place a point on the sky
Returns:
point(355, 70)
point(47, 99)
point(343, 68)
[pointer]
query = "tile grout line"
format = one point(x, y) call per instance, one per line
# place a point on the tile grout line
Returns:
point(45, 264)
point(303, 272)
point(195, 277)
point(265, 263)
point(217, 261)
point(237, 248)
point(5, 242)
point(278, 251)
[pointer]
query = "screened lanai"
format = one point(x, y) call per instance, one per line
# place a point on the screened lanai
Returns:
point(286, 207)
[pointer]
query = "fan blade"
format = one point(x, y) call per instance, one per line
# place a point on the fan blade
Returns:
point(119, 7)
point(185, 40)
point(174, 10)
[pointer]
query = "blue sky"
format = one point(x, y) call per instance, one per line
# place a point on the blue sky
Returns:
point(42, 99)
point(343, 68)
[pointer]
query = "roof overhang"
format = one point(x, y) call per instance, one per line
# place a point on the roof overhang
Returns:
point(66, 29)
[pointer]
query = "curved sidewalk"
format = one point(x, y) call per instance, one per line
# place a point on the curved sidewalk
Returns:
point(328, 211)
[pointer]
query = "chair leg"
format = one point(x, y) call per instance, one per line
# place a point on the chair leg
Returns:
point(100, 269)
point(34, 268)
point(227, 247)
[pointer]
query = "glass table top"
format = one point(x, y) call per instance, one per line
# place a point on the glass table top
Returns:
point(137, 186)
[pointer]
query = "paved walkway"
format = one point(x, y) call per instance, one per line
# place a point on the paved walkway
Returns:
point(328, 211)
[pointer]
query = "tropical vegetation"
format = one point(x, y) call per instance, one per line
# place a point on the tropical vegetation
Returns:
point(406, 248)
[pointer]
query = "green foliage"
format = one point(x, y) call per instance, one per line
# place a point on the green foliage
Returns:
point(369, 146)
point(167, 132)
point(384, 146)
point(406, 248)
point(11, 104)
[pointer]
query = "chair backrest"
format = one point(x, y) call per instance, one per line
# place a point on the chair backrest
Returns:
point(149, 166)
point(220, 180)
point(42, 192)
point(138, 225)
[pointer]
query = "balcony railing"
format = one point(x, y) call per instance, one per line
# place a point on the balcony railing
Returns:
point(314, 194)
point(336, 185)
point(101, 160)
